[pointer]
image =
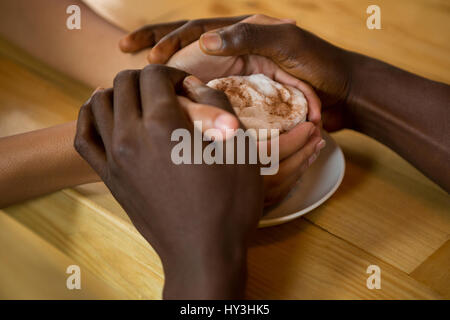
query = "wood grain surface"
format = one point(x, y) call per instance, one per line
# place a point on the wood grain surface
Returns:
point(385, 213)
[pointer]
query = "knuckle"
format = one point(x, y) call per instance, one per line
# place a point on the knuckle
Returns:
point(160, 71)
point(259, 16)
point(161, 126)
point(243, 32)
point(101, 99)
point(97, 99)
point(294, 33)
point(80, 144)
point(125, 74)
point(122, 149)
point(154, 68)
point(157, 122)
point(290, 28)
point(152, 123)
point(194, 23)
point(157, 71)
point(194, 26)
point(161, 103)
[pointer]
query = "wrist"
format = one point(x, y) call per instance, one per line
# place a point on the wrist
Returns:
point(195, 274)
point(368, 80)
point(357, 65)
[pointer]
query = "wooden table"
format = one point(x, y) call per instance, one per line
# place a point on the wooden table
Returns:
point(385, 213)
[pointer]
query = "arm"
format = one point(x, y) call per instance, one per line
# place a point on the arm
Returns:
point(406, 112)
point(40, 162)
point(44, 161)
point(199, 218)
point(90, 55)
point(67, 46)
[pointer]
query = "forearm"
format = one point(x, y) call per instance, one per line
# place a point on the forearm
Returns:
point(40, 162)
point(408, 113)
point(90, 55)
point(206, 276)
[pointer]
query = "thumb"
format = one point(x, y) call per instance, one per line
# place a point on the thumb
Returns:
point(278, 42)
point(209, 106)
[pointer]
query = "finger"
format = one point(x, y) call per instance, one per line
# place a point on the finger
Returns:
point(292, 169)
point(126, 99)
point(88, 142)
point(314, 103)
point(291, 141)
point(290, 165)
point(201, 93)
point(102, 110)
point(295, 139)
point(263, 19)
point(307, 154)
point(273, 41)
point(185, 35)
point(148, 36)
point(223, 117)
point(210, 117)
point(158, 85)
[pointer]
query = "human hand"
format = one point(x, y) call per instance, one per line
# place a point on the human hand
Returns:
point(303, 55)
point(197, 217)
point(299, 147)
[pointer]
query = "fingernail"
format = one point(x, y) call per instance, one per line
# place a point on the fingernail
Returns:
point(320, 145)
point(126, 44)
point(311, 131)
point(312, 158)
point(211, 41)
point(224, 122)
point(192, 81)
point(97, 90)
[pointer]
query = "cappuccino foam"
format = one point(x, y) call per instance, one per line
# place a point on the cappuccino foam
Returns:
point(261, 103)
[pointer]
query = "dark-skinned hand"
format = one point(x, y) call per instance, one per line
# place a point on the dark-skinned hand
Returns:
point(197, 217)
point(402, 110)
point(298, 52)
point(300, 146)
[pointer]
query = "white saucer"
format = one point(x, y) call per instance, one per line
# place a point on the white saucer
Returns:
point(319, 182)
